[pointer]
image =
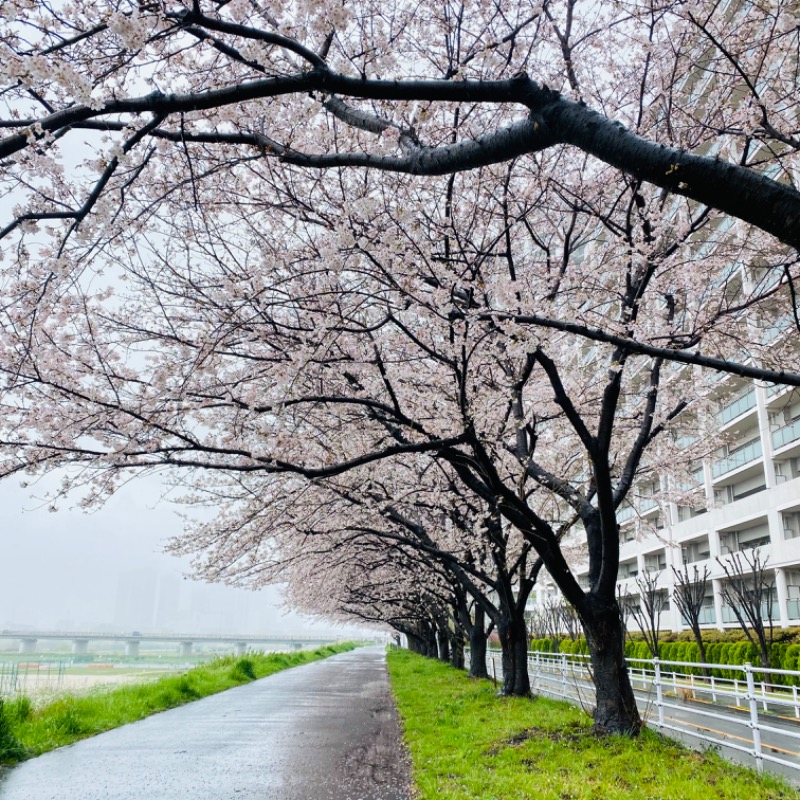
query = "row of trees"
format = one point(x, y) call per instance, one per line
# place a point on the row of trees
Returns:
point(748, 591)
point(399, 393)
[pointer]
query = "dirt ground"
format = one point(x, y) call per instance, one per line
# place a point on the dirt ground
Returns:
point(42, 684)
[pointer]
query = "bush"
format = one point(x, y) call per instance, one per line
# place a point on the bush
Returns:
point(791, 658)
point(19, 709)
point(11, 749)
point(243, 670)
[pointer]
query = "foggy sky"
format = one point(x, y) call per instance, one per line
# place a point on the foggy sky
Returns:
point(106, 570)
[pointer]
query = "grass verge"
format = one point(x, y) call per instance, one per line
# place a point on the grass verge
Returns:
point(468, 744)
point(27, 731)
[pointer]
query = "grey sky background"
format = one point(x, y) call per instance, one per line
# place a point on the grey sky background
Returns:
point(106, 570)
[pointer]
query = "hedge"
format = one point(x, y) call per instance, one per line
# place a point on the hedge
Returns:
point(782, 655)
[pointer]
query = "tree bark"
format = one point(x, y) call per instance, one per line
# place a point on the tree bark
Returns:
point(431, 646)
point(477, 646)
point(616, 710)
point(457, 650)
point(701, 645)
point(415, 643)
point(443, 644)
point(514, 643)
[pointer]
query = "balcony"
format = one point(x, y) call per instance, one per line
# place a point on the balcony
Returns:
point(774, 389)
point(707, 616)
point(778, 327)
point(624, 513)
point(647, 503)
point(696, 553)
point(695, 482)
point(738, 407)
point(738, 458)
point(728, 614)
point(736, 543)
point(787, 434)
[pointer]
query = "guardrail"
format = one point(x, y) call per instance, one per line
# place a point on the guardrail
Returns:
point(752, 699)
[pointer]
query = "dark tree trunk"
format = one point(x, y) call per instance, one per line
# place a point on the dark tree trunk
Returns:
point(514, 643)
point(415, 644)
point(616, 710)
point(457, 651)
point(477, 646)
point(431, 647)
point(443, 644)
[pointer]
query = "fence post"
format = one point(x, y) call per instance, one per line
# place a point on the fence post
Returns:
point(536, 669)
point(659, 694)
point(751, 699)
point(794, 698)
point(564, 674)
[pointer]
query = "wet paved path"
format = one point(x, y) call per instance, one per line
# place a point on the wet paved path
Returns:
point(323, 731)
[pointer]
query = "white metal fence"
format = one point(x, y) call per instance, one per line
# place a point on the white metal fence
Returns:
point(753, 712)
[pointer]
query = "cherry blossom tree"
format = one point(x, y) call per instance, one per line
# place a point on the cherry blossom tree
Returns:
point(240, 355)
point(286, 314)
point(404, 88)
point(415, 510)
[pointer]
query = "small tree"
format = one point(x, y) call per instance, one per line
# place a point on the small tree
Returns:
point(647, 612)
point(552, 620)
point(689, 594)
point(570, 622)
point(747, 591)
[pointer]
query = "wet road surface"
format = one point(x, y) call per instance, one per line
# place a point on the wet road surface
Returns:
point(323, 731)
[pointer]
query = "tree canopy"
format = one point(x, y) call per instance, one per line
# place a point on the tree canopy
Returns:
point(280, 250)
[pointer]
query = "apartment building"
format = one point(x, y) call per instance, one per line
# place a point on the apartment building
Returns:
point(749, 497)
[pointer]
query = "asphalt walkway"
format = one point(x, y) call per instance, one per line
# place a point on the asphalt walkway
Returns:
point(323, 731)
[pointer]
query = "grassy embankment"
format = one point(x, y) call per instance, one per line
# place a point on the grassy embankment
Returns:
point(27, 730)
point(468, 744)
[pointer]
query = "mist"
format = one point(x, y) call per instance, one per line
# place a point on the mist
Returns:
point(106, 571)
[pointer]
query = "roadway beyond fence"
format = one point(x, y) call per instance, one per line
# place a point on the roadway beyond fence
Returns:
point(327, 730)
point(752, 717)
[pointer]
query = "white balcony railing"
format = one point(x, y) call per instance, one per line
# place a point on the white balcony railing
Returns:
point(737, 407)
point(738, 458)
point(787, 434)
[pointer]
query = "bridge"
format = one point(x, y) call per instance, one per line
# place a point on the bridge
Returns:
point(28, 640)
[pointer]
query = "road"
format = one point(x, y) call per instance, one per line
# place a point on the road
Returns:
point(327, 730)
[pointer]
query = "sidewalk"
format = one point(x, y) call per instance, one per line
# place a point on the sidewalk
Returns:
point(323, 731)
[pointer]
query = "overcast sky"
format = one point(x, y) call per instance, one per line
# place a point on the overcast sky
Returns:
point(106, 570)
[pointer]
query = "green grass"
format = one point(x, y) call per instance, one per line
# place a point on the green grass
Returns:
point(468, 744)
point(26, 730)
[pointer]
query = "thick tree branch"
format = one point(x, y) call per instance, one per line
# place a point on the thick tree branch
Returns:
point(739, 191)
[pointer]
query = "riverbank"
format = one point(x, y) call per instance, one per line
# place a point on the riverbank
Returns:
point(27, 730)
point(468, 744)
